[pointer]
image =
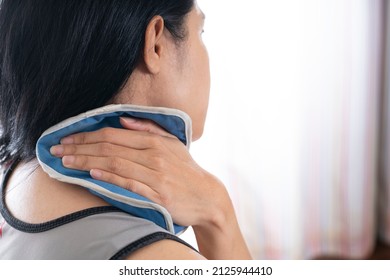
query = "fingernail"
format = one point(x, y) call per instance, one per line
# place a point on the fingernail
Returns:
point(95, 173)
point(68, 160)
point(57, 150)
point(129, 120)
point(67, 140)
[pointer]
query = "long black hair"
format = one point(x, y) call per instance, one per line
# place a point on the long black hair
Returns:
point(59, 58)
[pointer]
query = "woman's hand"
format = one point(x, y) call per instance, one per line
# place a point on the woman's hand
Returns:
point(147, 160)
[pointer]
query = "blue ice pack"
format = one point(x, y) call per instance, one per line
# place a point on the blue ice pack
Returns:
point(174, 121)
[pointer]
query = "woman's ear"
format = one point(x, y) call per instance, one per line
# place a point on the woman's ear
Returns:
point(154, 44)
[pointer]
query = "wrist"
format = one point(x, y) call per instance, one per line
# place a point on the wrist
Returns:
point(220, 237)
point(219, 209)
point(218, 234)
point(218, 219)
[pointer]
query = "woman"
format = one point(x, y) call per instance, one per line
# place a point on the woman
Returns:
point(60, 58)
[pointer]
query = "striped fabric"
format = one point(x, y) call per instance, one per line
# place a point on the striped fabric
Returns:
point(294, 133)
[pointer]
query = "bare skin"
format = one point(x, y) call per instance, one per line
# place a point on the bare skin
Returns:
point(143, 157)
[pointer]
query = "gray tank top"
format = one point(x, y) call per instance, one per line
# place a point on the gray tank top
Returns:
point(94, 233)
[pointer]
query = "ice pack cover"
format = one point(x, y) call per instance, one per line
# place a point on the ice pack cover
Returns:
point(174, 121)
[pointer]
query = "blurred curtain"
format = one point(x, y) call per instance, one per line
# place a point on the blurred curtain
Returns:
point(293, 125)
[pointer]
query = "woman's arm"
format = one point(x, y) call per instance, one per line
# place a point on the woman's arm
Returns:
point(147, 160)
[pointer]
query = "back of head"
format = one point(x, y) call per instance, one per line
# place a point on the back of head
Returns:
point(59, 58)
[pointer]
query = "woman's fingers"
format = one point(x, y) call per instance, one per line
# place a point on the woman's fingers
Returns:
point(122, 137)
point(126, 183)
point(99, 150)
point(139, 134)
point(121, 167)
point(119, 172)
